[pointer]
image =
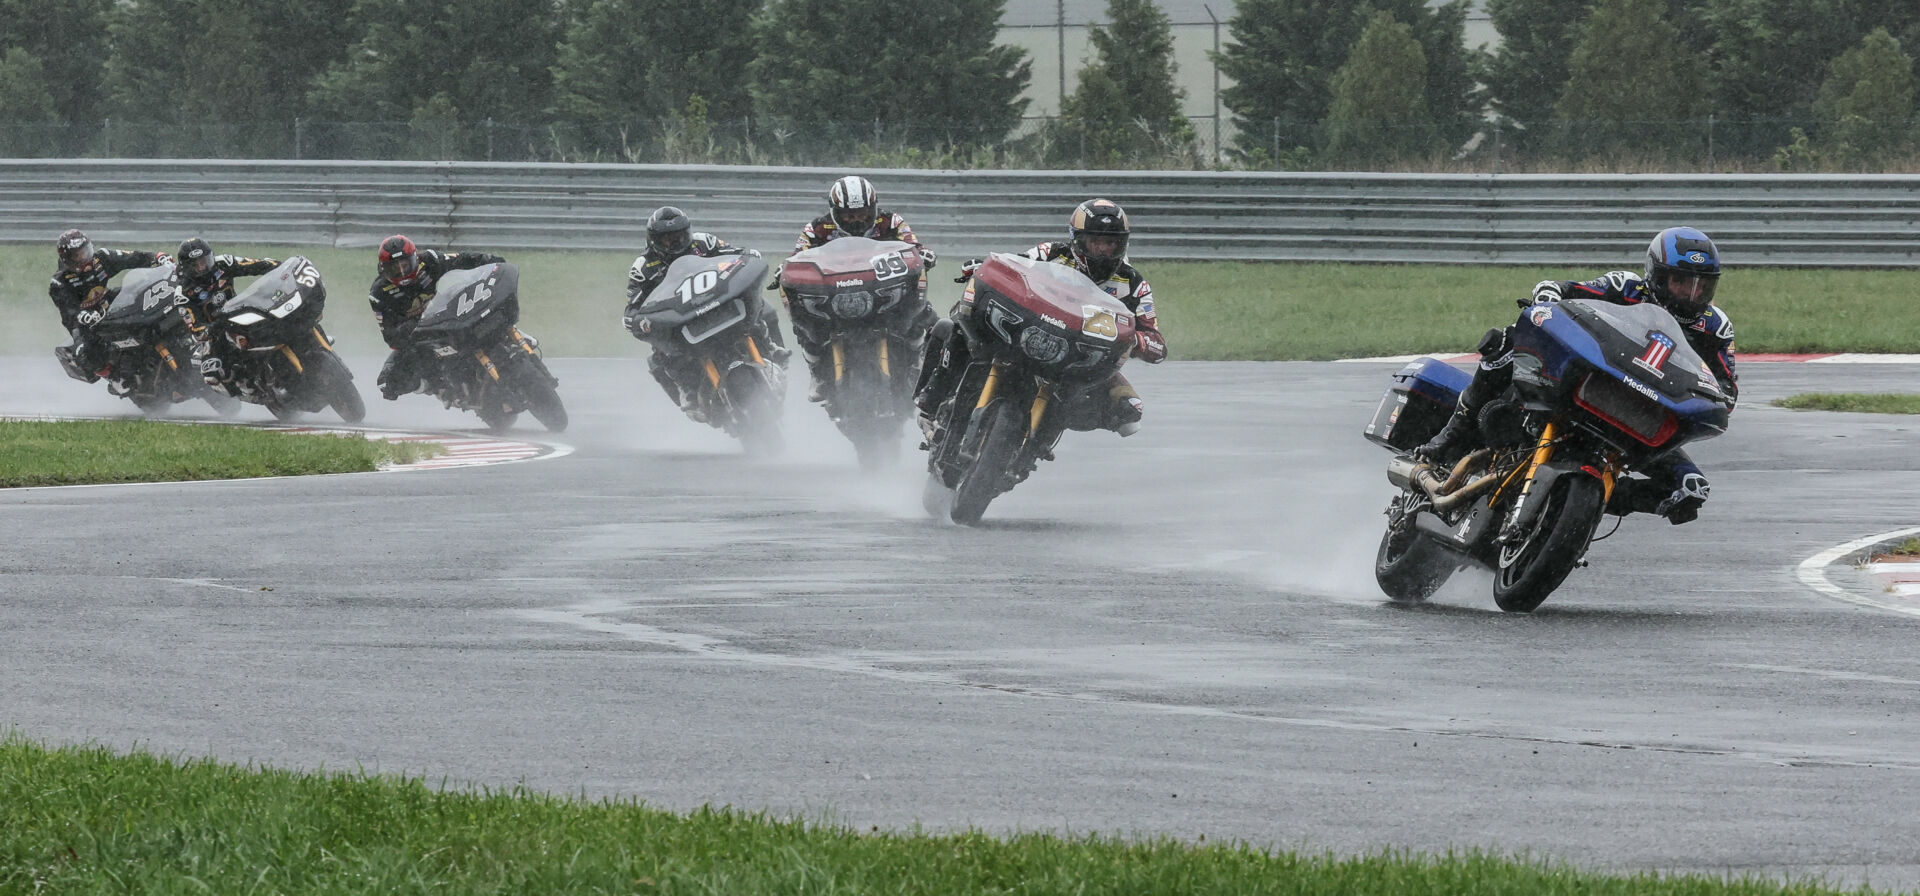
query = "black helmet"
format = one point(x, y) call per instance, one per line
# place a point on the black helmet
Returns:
point(195, 260)
point(1099, 218)
point(1683, 268)
point(669, 233)
point(399, 260)
point(854, 205)
point(76, 251)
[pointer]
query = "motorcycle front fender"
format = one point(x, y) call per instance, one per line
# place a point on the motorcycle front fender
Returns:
point(1544, 478)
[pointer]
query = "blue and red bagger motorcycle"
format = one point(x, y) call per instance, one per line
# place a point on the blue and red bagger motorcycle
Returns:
point(1599, 391)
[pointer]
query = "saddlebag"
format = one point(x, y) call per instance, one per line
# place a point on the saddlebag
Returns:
point(1417, 405)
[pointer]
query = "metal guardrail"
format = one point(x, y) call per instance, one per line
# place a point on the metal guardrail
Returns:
point(1758, 220)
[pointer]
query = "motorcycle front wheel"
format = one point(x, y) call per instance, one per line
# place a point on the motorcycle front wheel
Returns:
point(341, 395)
point(1001, 434)
point(1530, 568)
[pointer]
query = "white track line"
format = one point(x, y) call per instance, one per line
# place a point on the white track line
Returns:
point(1813, 572)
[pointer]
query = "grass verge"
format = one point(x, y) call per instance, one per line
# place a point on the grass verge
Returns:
point(1859, 402)
point(86, 820)
point(97, 451)
point(1212, 311)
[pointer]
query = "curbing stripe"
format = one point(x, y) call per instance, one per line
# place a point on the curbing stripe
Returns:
point(1813, 573)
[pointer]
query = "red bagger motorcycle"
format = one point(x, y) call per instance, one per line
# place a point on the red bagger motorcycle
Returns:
point(1043, 342)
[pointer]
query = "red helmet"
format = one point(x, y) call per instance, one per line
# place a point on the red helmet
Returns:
point(399, 260)
point(76, 251)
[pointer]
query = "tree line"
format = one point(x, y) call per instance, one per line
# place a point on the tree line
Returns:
point(1580, 84)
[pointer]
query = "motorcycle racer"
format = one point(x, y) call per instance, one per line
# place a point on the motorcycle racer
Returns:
point(1682, 273)
point(1098, 232)
point(204, 280)
point(80, 292)
point(407, 279)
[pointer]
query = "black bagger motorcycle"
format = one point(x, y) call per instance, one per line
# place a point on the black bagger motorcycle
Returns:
point(148, 347)
point(284, 360)
point(703, 316)
point(476, 357)
point(865, 301)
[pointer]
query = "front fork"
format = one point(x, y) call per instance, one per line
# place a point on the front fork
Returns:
point(1525, 476)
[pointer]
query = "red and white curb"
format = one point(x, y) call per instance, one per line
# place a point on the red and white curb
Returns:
point(1743, 358)
point(1897, 582)
point(461, 451)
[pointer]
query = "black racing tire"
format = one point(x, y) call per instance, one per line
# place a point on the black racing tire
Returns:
point(543, 400)
point(1002, 433)
point(1527, 571)
point(497, 418)
point(341, 394)
point(1410, 566)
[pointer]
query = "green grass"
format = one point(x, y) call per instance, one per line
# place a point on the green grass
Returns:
point(84, 820)
point(83, 452)
point(1210, 311)
point(1858, 402)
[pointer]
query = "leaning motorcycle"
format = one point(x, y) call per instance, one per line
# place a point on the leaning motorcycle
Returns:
point(284, 361)
point(478, 359)
point(865, 302)
point(1043, 342)
point(1599, 391)
point(703, 316)
point(148, 347)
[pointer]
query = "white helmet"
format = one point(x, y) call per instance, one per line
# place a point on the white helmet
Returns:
point(853, 204)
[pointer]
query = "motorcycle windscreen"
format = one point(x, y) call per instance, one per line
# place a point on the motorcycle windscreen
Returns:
point(470, 294)
point(1074, 299)
point(700, 297)
point(146, 295)
point(279, 292)
point(849, 255)
point(1646, 342)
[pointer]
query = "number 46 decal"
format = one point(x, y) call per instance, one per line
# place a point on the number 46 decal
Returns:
point(697, 285)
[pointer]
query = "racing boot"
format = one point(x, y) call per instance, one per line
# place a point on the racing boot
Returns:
point(819, 375)
point(1462, 432)
point(1124, 407)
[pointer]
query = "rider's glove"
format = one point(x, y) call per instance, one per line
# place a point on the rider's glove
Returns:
point(1149, 346)
point(160, 258)
point(1544, 291)
point(967, 268)
point(1683, 506)
point(773, 282)
point(926, 257)
point(212, 370)
point(89, 317)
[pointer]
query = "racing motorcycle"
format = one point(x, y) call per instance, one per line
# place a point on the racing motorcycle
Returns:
point(865, 301)
point(703, 316)
point(1599, 391)
point(148, 347)
point(1044, 341)
point(284, 360)
point(479, 360)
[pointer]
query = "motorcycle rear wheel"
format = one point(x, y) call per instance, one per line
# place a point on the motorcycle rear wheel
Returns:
point(1528, 571)
point(1409, 566)
point(1000, 437)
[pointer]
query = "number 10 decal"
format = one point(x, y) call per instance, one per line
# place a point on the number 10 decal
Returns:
point(697, 285)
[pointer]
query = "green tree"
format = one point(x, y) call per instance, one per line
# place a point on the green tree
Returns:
point(1283, 54)
point(27, 116)
point(1125, 107)
point(68, 41)
point(1526, 75)
point(840, 73)
point(1379, 111)
point(1633, 91)
point(1865, 105)
point(625, 67)
point(477, 61)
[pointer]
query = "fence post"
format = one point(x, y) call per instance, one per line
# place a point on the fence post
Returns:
point(1496, 147)
point(1276, 143)
point(489, 138)
point(106, 137)
point(1709, 142)
point(296, 138)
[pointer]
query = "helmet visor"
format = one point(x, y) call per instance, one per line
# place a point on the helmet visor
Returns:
point(400, 268)
point(1689, 295)
point(76, 258)
point(196, 268)
point(854, 220)
point(673, 242)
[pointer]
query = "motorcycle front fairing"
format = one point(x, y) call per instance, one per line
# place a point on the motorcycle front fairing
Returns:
point(700, 298)
point(471, 309)
point(143, 311)
point(281, 307)
point(1048, 318)
point(854, 283)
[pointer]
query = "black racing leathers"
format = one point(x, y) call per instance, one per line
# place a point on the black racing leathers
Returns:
point(645, 276)
point(82, 298)
point(397, 307)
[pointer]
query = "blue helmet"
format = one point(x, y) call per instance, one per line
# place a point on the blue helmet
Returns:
point(1683, 268)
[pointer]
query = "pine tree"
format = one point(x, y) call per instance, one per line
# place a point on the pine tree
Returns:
point(1866, 104)
point(845, 74)
point(1125, 108)
point(1632, 89)
point(1525, 77)
point(636, 62)
point(1379, 111)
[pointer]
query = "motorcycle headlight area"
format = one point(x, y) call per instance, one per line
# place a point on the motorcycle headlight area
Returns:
point(1043, 345)
point(852, 305)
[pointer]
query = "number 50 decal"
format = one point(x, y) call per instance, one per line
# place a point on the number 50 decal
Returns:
point(888, 266)
point(697, 285)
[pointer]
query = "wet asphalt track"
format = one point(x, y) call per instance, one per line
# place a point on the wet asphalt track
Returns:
point(1175, 634)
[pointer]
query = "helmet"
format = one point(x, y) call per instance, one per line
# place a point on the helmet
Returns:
point(853, 205)
point(1683, 267)
point(195, 259)
point(399, 260)
point(76, 251)
point(669, 232)
point(1103, 221)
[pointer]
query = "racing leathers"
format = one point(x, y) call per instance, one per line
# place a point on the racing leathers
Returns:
point(82, 297)
point(946, 359)
point(196, 301)
point(668, 370)
point(1675, 487)
point(397, 307)
point(819, 232)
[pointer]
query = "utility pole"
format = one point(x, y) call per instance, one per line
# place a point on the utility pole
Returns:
point(1216, 81)
point(1060, 17)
